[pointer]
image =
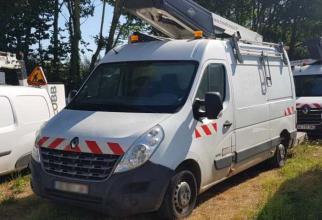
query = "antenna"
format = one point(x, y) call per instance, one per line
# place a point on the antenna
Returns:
point(179, 19)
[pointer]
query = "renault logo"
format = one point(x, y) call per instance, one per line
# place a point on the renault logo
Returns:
point(306, 111)
point(74, 143)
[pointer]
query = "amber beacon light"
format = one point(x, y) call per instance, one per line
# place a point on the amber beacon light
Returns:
point(134, 38)
point(198, 34)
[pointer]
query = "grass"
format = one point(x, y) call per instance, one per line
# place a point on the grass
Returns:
point(293, 192)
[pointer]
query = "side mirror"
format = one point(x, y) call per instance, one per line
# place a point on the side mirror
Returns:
point(213, 105)
point(71, 95)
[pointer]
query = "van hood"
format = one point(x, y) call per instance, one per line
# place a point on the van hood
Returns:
point(309, 102)
point(96, 132)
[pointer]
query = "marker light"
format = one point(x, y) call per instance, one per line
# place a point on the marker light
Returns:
point(134, 38)
point(198, 34)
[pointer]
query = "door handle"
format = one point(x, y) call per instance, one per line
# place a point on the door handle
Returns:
point(228, 124)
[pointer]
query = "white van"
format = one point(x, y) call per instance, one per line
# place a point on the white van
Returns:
point(23, 111)
point(160, 121)
point(308, 80)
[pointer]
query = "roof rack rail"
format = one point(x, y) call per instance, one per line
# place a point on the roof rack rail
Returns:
point(178, 19)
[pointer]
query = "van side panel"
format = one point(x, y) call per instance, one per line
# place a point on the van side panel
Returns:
point(252, 127)
point(282, 109)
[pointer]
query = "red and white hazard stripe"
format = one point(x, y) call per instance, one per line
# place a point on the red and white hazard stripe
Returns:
point(289, 111)
point(85, 146)
point(309, 105)
point(206, 130)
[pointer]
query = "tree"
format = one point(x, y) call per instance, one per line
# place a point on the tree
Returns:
point(118, 32)
point(100, 40)
point(75, 37)
point(118, 6)
point(76, 9)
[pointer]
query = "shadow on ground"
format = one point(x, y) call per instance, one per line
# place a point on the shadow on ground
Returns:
point(32, 207)
point(299, 198)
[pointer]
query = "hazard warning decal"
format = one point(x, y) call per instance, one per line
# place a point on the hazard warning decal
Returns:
point(289, 111)
point(83, 146)
point(37, 77)
point(206, 130)
point(309, 105)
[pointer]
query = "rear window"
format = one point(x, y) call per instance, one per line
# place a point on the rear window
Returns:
point(308, 86)
point(6, 116)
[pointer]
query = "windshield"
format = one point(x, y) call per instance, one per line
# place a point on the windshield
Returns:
point(158, 87)
point(308, 86)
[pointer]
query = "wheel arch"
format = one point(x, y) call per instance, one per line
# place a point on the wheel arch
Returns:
point(285, 138)
point(192, 166)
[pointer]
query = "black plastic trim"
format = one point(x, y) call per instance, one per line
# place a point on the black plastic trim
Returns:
point(137, 191)
point(224, 162)
point(246, 154)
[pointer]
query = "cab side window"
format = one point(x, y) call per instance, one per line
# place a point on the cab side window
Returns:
point(214, 80)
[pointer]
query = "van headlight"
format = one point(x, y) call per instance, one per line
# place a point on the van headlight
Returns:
point(35, 150)
point(142, 150)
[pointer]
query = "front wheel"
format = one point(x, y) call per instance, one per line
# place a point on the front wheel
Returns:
point(181, 196)
point(280, 156)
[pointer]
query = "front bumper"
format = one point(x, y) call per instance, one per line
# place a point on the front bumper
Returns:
point(316, 132)
point(138, 191)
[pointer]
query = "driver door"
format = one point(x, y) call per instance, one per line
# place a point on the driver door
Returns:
point(216, 136)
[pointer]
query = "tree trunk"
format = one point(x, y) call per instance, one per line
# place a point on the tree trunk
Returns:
point(100, 43)
point(75, 38)
point(115, 21)
point(293, 40)
point(55, 62)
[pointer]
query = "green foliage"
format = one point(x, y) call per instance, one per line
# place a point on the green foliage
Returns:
point(296, 193)
point(26, 24)
point(288, 21)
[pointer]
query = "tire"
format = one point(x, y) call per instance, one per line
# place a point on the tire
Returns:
point(181, 196)
point(280, 157)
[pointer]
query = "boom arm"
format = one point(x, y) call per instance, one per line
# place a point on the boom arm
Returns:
point(178, 19)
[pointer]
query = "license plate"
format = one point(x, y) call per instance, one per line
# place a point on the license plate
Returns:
point(306, 127)
point(71, 187)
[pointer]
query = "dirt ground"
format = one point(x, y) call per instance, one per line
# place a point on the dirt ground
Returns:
point(258, 193)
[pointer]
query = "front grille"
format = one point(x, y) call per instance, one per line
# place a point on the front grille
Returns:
point(83, 166)
point(313, 117)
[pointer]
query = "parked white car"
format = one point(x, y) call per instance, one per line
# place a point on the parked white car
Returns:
point(23, 111)
point(160, 121)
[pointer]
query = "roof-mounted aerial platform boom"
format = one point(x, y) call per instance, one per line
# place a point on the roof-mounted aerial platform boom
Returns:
point(178, 19)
